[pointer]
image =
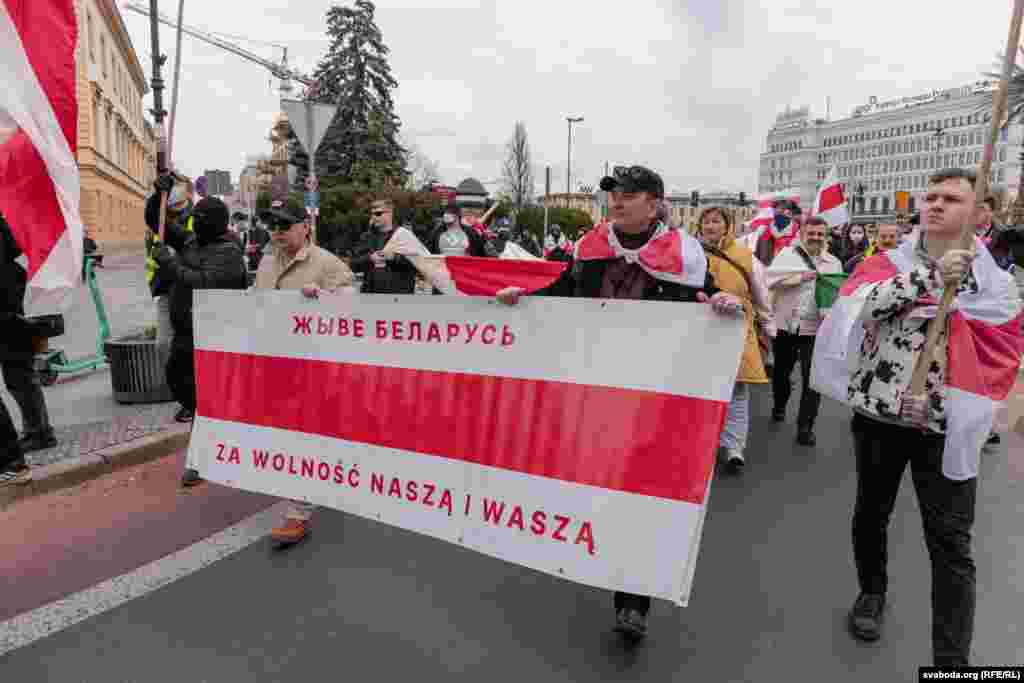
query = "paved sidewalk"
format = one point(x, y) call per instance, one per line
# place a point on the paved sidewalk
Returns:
point(82, 408)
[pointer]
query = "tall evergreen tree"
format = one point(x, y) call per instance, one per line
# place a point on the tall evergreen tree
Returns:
point(355, 76)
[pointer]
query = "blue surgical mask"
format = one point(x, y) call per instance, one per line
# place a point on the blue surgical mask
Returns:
point(781, 220)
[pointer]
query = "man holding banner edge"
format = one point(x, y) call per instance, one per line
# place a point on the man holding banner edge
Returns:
point(637, 256)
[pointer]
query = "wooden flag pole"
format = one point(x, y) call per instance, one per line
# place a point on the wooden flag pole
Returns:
point(967, 235)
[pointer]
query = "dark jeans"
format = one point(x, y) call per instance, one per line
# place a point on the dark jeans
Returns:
point(947, 514)
point(641, 603)
point(181, 373)
point(25, 386)
point(788, 349)
point(10, 450)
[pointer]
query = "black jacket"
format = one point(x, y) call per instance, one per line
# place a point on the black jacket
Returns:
point(13, 282)
point(217, 264)
point(398, 276)
point(175, 235)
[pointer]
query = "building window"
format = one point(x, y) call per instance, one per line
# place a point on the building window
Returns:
point(885, 205)
point(874, 205)
point(1002, 153)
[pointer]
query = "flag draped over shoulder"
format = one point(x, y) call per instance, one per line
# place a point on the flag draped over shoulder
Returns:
point(788, 264)
point(984, 348)
point(669, 255)
point(472, 275)
point(830, 202)
point(39, 179)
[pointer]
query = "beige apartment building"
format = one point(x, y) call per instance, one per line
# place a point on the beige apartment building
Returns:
point(116, 144)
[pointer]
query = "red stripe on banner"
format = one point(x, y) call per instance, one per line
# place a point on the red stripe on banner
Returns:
point(830, 198)
point(984, 359)
point(487, 276)
point(48, 33)
point(640, 442)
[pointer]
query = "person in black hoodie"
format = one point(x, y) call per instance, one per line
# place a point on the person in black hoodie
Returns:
point(210, 258)
point(396, 275)
point(13, 342)
point(16, 352)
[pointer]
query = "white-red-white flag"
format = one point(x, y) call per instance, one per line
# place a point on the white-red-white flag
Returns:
point(983, 351)
point(471, 275)
point(830, 203)
point(39, 179)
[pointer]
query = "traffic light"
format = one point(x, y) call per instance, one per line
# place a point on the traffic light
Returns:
point(743, 198)
point(695, 199)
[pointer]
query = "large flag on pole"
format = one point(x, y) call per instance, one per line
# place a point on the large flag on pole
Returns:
point(39, 180)
point(830, 203)
point(984, 349)
point(471, 275)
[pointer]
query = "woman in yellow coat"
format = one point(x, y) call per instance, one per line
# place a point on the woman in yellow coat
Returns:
point(737, 271)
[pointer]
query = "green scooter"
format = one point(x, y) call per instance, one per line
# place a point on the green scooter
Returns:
point(51, 363)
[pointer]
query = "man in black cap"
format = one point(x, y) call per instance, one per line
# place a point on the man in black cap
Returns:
point(601, 270)
point(210, 259)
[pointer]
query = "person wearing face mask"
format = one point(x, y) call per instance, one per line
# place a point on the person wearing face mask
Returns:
point(557, 246)
point(454, 238)
point(209, 259)
point(779, 235)
point(736, 271)
point(798, 319)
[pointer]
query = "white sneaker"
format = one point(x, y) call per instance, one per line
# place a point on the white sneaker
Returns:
point(734, 461)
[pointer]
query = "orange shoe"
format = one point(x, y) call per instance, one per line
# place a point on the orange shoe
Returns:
point(293, 531)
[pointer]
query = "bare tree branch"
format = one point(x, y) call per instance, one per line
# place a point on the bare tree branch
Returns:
point(422, 169)
point(517, 171)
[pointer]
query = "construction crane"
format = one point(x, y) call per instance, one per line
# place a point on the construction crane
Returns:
point(279, 70)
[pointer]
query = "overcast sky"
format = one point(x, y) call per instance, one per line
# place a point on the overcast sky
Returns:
point(689, 88)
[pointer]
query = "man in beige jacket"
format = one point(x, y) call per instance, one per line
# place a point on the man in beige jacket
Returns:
point(296, 263)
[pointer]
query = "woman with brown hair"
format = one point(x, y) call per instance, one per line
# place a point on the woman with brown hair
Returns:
point(736, 271)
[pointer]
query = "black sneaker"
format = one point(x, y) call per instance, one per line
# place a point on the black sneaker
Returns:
point(631, 624)
point(15, 475)
point(184, 415)
point(191, 478)
point(778, 415)
point(37, 442)
point(735, 463)
point(805, 437)
point(993, 440)
point(865, 618)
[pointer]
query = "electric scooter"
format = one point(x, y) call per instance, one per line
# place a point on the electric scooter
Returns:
point(51, 363)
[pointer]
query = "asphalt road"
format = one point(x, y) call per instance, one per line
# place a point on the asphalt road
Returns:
point(363, 601)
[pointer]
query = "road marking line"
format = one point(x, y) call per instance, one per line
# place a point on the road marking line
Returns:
point(56, 616)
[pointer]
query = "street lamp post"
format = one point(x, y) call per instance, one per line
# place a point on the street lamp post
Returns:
point(568, 170)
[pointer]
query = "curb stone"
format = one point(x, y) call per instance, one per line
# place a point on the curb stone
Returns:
point(68, 473)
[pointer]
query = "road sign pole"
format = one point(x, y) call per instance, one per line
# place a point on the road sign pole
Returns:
point(311, 165)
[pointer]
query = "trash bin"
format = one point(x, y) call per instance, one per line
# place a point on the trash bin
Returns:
point(137, 370)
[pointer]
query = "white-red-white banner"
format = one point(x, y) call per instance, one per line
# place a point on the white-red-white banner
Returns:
point(575, 437)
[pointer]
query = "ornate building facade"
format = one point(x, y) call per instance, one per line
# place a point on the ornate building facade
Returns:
point(116, 144)
point(885, 151)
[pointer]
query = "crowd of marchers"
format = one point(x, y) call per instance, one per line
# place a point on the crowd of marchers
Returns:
point(766, 275)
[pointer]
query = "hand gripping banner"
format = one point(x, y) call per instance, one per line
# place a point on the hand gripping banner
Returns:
point(574, 437)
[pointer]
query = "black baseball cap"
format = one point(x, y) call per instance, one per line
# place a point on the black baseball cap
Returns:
point(290, 210)
point(633, 179)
